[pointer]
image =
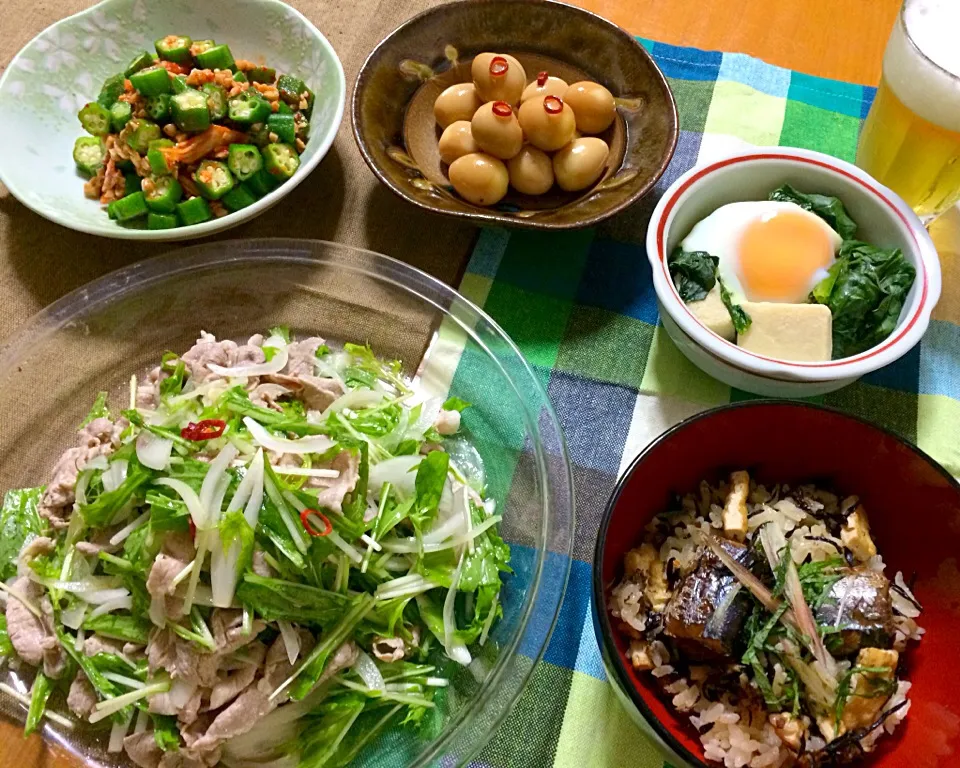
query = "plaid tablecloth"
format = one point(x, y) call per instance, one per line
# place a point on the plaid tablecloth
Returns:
point(582, 309)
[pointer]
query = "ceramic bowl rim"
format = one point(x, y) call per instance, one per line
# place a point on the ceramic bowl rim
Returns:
point(486, 216)
point(923, 254)
point(603, 627)
point(215, 225)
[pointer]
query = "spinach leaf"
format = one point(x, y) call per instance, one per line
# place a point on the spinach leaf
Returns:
point(481, 568)
point(431, 478)
point(487, 600)
point(869, 288)
point(42, 688)
point(6, 647)
point(693, 273)
point(99, 512)
point(741, 320)
point(98, 410)
point(127, 627)
point(830, 209)
point(275, 599)
point(19, 522)
point(166, 733)
point(455, 404)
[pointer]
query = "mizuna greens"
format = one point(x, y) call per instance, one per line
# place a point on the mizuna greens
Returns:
point(270, 554)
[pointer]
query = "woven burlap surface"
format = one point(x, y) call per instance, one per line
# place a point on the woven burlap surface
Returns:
point(341, 201)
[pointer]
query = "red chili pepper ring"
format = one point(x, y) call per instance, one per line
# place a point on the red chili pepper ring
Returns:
point(502, 109)
point(305, 519)
point(499, 66)
point(208, 429)
point(553, 105)
point(542, 78)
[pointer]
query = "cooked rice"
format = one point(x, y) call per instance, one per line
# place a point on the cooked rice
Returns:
point(734, 730)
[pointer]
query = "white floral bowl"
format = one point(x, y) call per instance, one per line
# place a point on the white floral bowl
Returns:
point(883, 218)
point(63, 67)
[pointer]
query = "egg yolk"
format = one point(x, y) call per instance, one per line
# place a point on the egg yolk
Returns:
point(780, 255)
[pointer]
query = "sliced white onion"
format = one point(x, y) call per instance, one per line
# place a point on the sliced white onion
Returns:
point(464, 504)
point(90, 584)
point(181, 691)
point(212, 482)
point(101, 596)
point(274, 365)
point(73, 617)
point(331, 474)
point(354, 399)
point(124, 532)
point(369, 672)
point(291, 640)
point(80, 492)
point(97, 462)
point(78, 643)
point(120, 603)
point(115, 474)
point(452, 526)
point(397, 471)
point(449, 620)
point(153, 451)
point(310, 444)
point(223, 565)
point(189, 497)
point(429, 411)
point(158, 611)
point(489, 620)
point(407, 545)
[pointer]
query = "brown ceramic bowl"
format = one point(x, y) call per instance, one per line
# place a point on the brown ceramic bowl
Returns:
point(393, 99)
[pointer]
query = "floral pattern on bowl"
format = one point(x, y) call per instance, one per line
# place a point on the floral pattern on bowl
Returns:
point(63, 67)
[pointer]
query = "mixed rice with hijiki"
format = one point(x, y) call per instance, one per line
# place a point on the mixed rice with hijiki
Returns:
point(765, 616)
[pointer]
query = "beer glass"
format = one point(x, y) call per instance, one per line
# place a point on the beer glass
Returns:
point(911, 139)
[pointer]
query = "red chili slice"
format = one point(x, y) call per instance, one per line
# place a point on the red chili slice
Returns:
point(502, 109)
point(305, 519)
point(499, 66)
point(542, 78)
point(208, 429)
point(553, 105)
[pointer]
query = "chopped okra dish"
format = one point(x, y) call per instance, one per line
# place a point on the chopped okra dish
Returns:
point(190, 134)
point(271, 554)
point(765, 615)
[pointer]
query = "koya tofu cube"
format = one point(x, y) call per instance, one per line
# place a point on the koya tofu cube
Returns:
point(797, 332)
point(712, 313)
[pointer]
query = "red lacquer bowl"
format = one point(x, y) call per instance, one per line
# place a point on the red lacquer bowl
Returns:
point(914, 509)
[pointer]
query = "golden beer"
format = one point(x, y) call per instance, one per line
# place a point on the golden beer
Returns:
point(911, 139)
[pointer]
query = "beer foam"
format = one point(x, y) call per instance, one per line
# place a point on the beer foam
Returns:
point(928, 82)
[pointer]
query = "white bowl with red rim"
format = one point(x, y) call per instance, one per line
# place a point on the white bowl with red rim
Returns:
point(883, 219)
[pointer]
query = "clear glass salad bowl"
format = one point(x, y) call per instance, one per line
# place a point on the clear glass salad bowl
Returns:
point(96, 337)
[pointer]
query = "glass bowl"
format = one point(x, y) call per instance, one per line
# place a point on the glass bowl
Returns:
point(96, 337)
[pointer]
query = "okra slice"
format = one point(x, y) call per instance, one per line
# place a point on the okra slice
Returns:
point(262, 74)
point(162, 193)
point(140, 133)
point(178, 84)
point(162, 221)
point(190, 111)
point(194, 211)
point(174, 48)
point(238, 197)
point(120, 114)
point(156, 158)
point(216, 57)
point(199, 46)
point(151, 81)
point(95, 119)
point(216, 100)
point(131, 183)
point(140, 61)
point(244, 160)
point(158, 107)
point(280, 161)
point(290, 88)
point(89, 153)
point(130, 207)
point(213, 179)
point(284, 126)
point(248, 107)
point(113, 88)
point(261, 183)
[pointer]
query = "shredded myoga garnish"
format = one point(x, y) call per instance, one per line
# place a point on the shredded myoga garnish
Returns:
point(273, 552)
point(764, 615)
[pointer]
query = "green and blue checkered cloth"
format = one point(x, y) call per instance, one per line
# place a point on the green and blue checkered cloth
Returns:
point(582, 308)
